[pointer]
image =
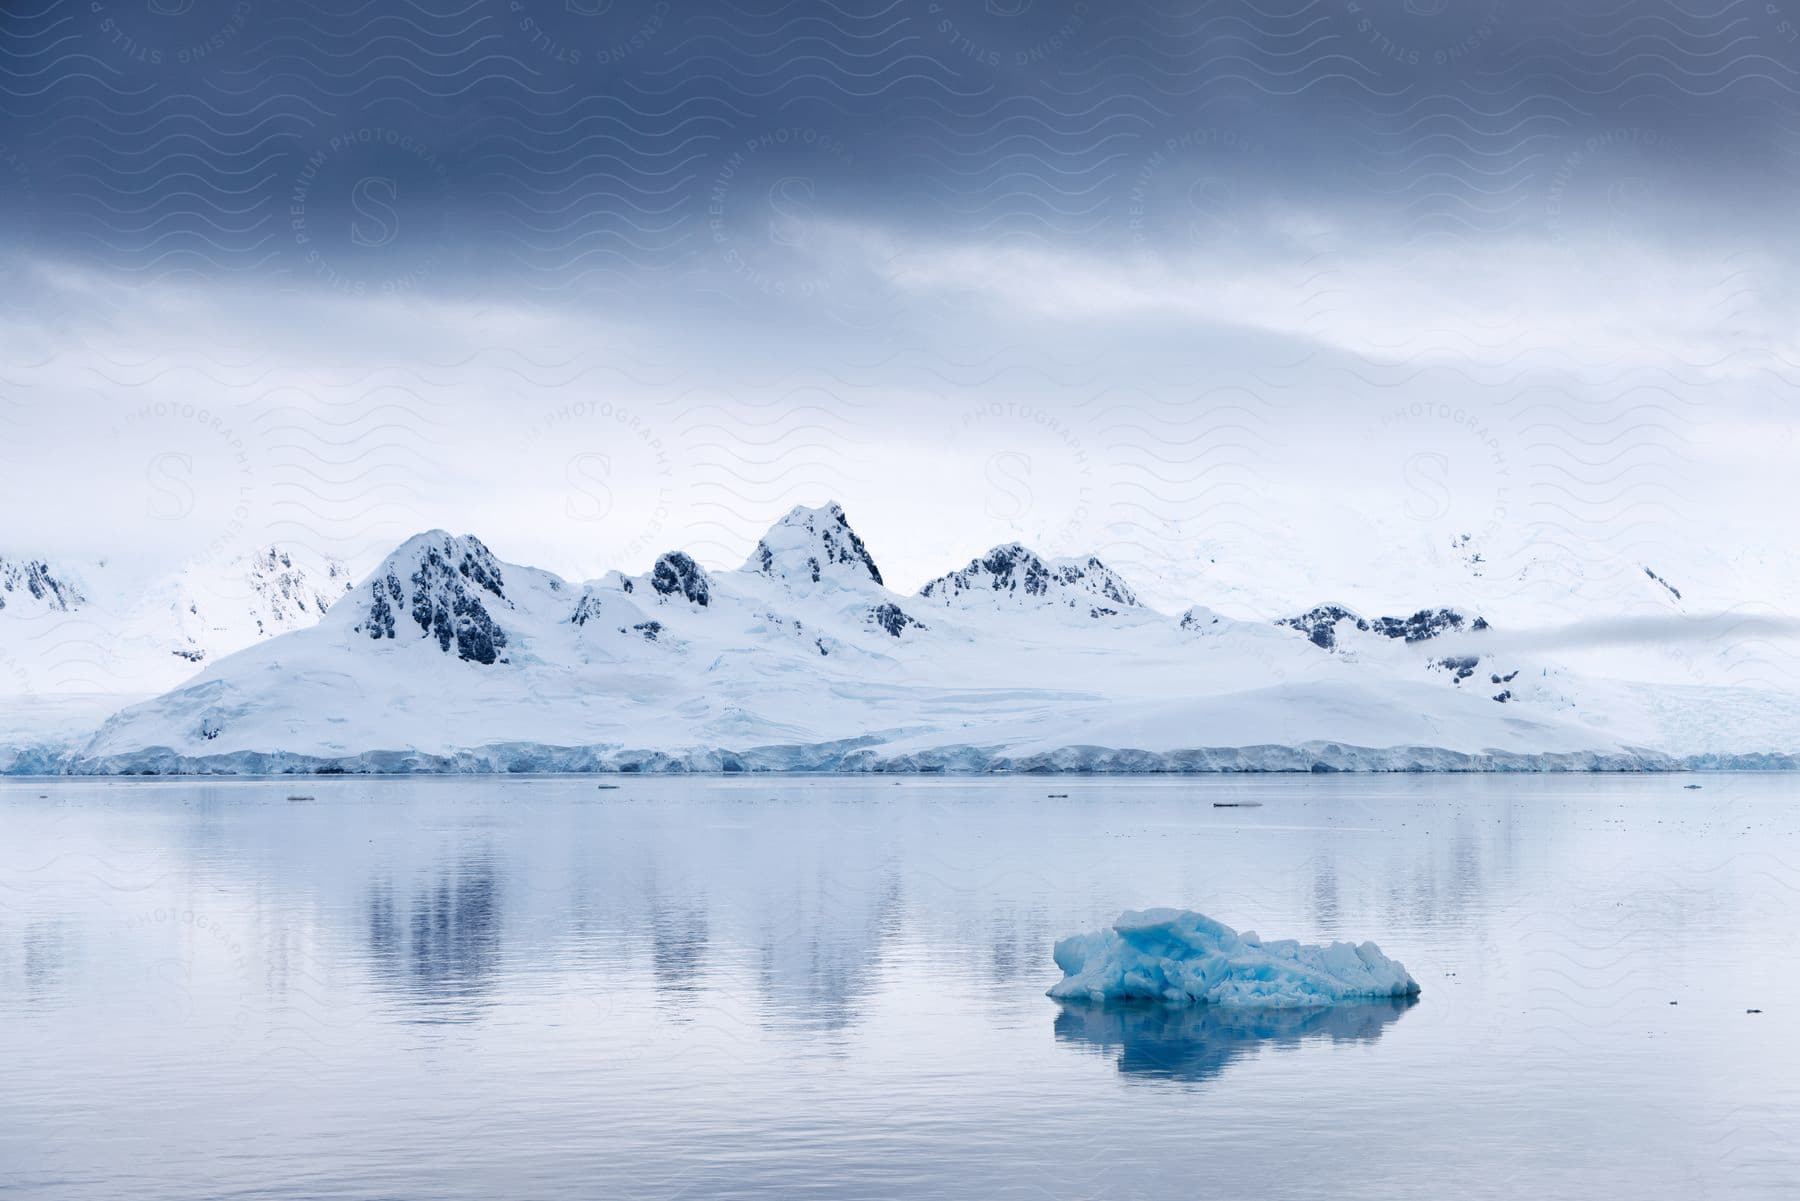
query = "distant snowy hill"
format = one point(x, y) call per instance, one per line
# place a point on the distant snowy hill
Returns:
point(81, 638)
point(34, 586)
point(448, 658)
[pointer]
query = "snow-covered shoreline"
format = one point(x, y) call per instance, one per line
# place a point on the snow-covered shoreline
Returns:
point(857, 758)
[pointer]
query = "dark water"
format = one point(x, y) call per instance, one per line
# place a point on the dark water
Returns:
point(526, 988)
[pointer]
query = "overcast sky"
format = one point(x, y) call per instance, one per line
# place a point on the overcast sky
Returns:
point(1211, 290)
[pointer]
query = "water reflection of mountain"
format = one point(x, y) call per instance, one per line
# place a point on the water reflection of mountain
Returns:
point(38, 970)
point(440, 942)
point(821, 956)
point(680, 936)
point(1195, 1043)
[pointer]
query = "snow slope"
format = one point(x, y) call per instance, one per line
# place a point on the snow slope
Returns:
point(447, 658)
point(77, 641)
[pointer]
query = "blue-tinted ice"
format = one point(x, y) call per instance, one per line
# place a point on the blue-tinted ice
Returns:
point(1188, 958)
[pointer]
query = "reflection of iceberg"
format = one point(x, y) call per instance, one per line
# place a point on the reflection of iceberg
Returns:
point(1197, 1042)
point(1186, 957)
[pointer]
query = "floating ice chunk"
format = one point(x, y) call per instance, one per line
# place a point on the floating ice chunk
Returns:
point(1188, 958)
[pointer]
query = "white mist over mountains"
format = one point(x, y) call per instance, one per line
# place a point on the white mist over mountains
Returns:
point(1251, 466)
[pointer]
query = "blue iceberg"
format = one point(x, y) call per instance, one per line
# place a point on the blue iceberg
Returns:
point(1188, 958)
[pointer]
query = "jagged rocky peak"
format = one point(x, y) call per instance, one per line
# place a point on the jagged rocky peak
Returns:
point(1016, 575)
point(1322, 622)
point(813, 546)
point(31, 582)
point(444, 584)
point(287, 593)
point(677, 575)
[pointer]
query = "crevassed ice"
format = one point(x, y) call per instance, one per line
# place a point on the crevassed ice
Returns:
point(1188, 958)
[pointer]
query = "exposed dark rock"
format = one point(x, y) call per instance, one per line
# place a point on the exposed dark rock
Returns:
point(1463, 544)
point(382, 591)
point(36, 580)
point(1462, 666)
point(446, 582)
point(675, 574)
point(824, 538)
point(1426, 623)
point(1021, 572)
point(649, 629)
point(1668, 587)
point(1320, 624)
point(587, 609)
point(1198, 618)
point(893, 619)
point(288, 593)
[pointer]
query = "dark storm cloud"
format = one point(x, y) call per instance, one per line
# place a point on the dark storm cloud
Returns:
point(390, 146)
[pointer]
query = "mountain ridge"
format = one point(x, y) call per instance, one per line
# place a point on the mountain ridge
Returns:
point(1012, 662)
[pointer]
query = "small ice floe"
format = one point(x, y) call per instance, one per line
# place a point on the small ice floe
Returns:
point(1188, 958)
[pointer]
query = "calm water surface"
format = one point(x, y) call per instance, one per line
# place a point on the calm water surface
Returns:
point(540, 988)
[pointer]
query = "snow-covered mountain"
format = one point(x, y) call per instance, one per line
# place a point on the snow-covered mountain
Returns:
point(34, 586)
point(85, 637)
point(447, 658)
point(1013, 577)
